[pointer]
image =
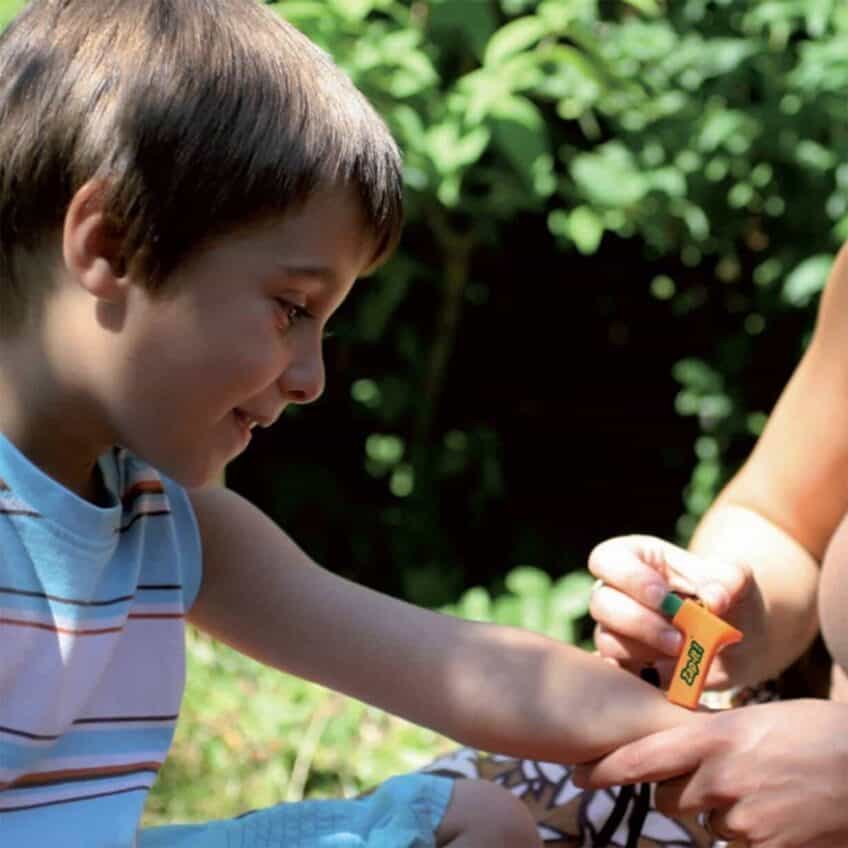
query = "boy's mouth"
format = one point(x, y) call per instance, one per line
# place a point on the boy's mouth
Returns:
point(245, 419)
point(254, 419)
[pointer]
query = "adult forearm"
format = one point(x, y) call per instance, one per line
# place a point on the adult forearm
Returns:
point(778, 615)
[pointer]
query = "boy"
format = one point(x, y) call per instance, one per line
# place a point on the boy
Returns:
point(188, 191)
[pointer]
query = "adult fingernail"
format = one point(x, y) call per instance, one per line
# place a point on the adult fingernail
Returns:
point(671, 641)
point(715, 597)
point(653, 594)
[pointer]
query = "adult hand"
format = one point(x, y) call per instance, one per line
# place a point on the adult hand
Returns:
point(637, 571)
point(770, 775)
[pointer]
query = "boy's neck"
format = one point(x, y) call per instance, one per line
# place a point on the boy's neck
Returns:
point(47, 426)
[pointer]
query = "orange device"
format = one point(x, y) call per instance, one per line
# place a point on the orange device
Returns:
point(705, 635)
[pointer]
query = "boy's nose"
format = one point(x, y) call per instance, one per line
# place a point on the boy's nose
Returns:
point(303, 381)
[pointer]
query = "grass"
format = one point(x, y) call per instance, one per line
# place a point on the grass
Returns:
point(8, 10)
point(250, 737)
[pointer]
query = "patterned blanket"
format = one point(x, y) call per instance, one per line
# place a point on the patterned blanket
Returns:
point(622, 817)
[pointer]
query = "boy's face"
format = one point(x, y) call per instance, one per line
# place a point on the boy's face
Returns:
point(236, 339)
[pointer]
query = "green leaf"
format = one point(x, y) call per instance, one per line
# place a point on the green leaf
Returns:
point(722, 56)
point(408, 126)
point(452, 152)
point(471, 146)
point(309, 15)
point(353, 10)
point(514, 37)
point(480, 91)
point(415, 76)
point(815, 156)
point(563, 57)
point(697, 376)
point(476, 605)
point(647, 7)
point(508, 611)
point(807, 279)
point(520, 72)
point(449, 190)
point(527, 581)
point(668, 180)
point(472, 22)
point(398, 45)
point(520, 133)
point(720, 125)
point(609, 177)
point(586, 229)
point(533, 611)
point(8, 10)
point(520, 110)
point(386, 450)
point(571, 594)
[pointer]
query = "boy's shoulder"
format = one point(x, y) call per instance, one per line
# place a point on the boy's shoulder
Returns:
point(144, 543)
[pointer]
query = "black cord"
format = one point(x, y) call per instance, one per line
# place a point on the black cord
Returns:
point(641, 807)
point(641, 800)
point(625, 794)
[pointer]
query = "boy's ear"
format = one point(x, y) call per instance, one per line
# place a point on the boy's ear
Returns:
point(91, 249)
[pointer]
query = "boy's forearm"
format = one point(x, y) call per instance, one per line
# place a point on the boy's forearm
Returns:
point(523, 694)
point(497, 688)
point(779, 618)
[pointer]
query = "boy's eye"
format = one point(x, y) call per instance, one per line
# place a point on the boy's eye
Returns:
point(291, 313)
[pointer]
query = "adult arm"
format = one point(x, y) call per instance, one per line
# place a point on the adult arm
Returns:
point(757, 550)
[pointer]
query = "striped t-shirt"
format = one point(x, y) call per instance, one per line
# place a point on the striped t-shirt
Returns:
point(92, 659)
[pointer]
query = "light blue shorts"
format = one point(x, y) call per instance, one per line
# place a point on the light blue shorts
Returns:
point(403, 812)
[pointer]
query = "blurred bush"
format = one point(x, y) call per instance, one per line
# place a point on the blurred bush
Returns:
point(683, 160)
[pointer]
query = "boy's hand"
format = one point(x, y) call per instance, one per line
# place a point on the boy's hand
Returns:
point(636, 573)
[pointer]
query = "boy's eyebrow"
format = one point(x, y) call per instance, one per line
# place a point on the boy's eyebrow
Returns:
point(320, 273)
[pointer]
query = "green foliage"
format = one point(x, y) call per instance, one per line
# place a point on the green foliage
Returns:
point(711, 132)
point(533, 601)
point(8, 10)
point(250, 737)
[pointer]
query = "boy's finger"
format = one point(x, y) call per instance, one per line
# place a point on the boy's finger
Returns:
point(668, 754)
point(675, 797)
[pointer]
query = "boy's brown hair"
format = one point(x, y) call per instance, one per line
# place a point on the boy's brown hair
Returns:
point(199, 115)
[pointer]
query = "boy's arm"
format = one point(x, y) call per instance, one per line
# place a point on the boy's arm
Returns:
point(495, 688)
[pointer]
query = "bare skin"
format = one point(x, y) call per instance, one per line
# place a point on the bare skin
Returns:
point(772, 557)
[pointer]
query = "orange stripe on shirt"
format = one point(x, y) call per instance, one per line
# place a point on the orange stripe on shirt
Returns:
point(37, 625)
point(45, 778)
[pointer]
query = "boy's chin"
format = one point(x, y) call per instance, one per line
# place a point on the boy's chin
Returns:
point(193, 476)
point(194, 479)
